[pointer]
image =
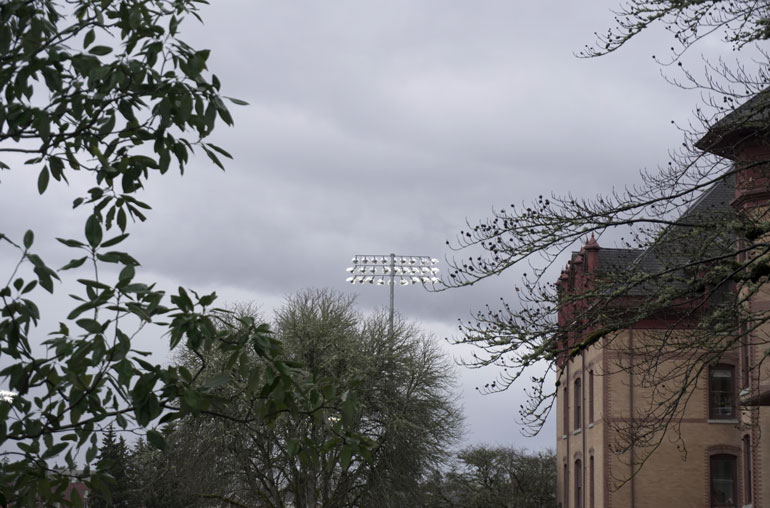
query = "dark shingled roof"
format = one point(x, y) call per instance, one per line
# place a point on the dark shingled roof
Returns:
point(613, 259)
point(711, 207)
point(748, 121)
point(671, 248)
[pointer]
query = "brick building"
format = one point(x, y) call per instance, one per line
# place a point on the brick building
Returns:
point(612, 448)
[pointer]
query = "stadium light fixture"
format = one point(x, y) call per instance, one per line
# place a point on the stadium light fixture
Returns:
point(392, 270)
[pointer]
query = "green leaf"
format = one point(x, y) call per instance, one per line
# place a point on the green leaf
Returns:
point(156, 439)
point(292, 446)
point(93, 231)
point(115, 241)
point(127, 273)
point(207, 300)
point(42, 180)
point(44, 278)
point(213, 157)
point(345, 456)
point(122, 219)
point(91, 453)
point(29, 287)
point(237, 101)
point(55, 450)
point(71, 243)
point(29, 237)
point(220, 150)
point(74, 263)
point(100, 50)
point(89, 38)
point(81, 309)
point(75, 499)
point(90, 325)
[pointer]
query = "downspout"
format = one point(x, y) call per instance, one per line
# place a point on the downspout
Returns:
point(631, 406)
point(583, 424)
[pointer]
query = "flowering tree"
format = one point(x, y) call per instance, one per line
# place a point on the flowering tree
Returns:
point(395, 393)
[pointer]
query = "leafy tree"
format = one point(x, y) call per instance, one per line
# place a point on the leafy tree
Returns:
point(503, 477)
point(394, 392)
point(107, 89)
point(691, 259)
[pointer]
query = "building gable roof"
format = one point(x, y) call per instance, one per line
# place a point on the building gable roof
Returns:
point(746, 123)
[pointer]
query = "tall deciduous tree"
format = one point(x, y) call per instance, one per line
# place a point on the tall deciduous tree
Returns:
point(395, 391)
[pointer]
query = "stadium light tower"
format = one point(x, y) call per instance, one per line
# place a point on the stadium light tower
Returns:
point(392, 270)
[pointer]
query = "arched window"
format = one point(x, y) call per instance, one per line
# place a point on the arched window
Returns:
point(566, 485)
point(592, 481)
point(590, 396)
point(578, 405)
point(578, 484)
point(565, 422)
point(723, 479)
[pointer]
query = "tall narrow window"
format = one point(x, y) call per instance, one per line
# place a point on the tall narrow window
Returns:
point(723, 481)
point(578, 484)
point(590, 396)
point(745, 359)
point(747, 469)
point(566, 486)
point(745, 363)
point(578, 405)
point(722, 392)
point(592, 480)
point(565, 422)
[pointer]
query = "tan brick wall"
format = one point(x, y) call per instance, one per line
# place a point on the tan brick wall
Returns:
point(675, 475)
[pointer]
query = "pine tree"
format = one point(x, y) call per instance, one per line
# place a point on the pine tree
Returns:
point(113, 472)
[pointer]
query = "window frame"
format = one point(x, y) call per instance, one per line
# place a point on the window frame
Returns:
point(578, 395)
point(712, 407)
point(590, 396)
point(745, 355)
point(592, 480)
point(734, 461)
point(565, 419)
point(566, 484)
point(578, 483)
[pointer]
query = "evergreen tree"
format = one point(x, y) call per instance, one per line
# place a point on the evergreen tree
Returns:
point(113, 482)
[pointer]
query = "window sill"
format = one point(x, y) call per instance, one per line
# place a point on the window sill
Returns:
point(591, 425)
point(564, 436)
point(722, 420)
point(576, 432)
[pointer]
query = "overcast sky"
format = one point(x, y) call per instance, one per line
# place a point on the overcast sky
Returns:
point(378, 127)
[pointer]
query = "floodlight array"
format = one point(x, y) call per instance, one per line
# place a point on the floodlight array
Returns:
point(7, 396)
point(393, 269)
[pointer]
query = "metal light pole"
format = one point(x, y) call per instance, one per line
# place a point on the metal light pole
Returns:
point(384, 269)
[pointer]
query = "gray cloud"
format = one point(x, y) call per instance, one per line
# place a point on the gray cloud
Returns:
point(378, 127)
